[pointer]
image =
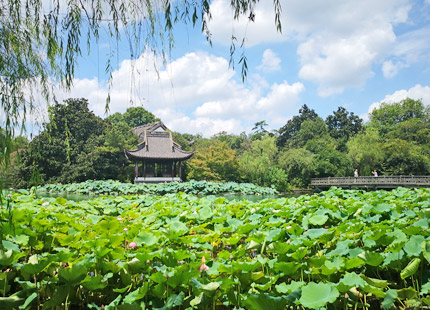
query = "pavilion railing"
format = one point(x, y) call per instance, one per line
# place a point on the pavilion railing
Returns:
point(382, 181)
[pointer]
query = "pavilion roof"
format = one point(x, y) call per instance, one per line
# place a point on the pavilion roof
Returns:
point(157, 144)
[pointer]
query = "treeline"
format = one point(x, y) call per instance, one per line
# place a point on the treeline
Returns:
point(76, 145)
point(395, 141)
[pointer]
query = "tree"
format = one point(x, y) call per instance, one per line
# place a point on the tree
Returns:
point(298, 163)
point(233, 141)
point(365, 151)
point(213, 160)
point(258, 164)
point(259, 130)
point(404, 158)
point(342, 125)
point(387, 116)
point(292, 127)
point(310, 130)
point(72, 130)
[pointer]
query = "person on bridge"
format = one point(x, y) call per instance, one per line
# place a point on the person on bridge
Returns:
point(375, 173)
point(356, 173)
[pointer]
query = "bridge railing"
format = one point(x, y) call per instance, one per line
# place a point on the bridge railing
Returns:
point(394, 181)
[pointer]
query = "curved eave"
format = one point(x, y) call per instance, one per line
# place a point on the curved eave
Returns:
point(139, 154)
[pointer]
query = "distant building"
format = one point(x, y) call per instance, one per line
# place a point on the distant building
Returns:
point(157, 158)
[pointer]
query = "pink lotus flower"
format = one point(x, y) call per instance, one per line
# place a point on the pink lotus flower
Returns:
point(46, 203)
point(288, 227)
point(204, 267)
point(132, 245)
point(125, 229)
point(288, 241)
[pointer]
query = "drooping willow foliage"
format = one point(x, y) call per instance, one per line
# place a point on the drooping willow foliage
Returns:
point(41, 40)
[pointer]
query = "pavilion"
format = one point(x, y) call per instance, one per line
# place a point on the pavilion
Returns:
point(160, 157)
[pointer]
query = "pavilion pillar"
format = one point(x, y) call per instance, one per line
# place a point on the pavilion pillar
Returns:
point(173, 169)
point(136, 169)
point(180, 170)
point(144, 169)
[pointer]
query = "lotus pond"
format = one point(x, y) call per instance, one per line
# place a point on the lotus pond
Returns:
point(339, 249)
point(203, 188)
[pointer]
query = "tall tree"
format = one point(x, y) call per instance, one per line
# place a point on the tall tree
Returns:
point(213, 160)
point(259, 164)
point(365, 151)
point(388, 115)
point(292, 127)
point(342, 125)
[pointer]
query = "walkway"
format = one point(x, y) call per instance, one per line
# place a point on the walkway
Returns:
point(372, 182)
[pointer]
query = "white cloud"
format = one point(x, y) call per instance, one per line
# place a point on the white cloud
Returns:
point(197, 93)
point(261, 30)
point(417, 92)
point(270, 62)
point(409, 48)
point(391, 69)
point(339, 40)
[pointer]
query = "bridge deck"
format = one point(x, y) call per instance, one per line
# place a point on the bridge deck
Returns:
point(372, 182)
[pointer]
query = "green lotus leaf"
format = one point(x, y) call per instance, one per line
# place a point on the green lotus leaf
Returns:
point(205, 213)
point(300, 253)
point(275, 234)
point(196, 300)
point(245, 266)
point(350, 280)
point(21, 240)
point(234, 239)
point(425, 288)
point(316, 295)
point(34, 266)
point(375, 282)
point(72, 275)
point(318, 219)
point(353, 263)
point(210, 287)
point(414, 246)
point(286, 268)
point(407, 293)
point(315, 232)
point(178, 228)
point(390, 298)
point(382, 208)
point(371, 258)
point(137, 294)
point(146, 238)
point(9, 257)
point(61, 201)
point(18, 299)
point(410, 269)
point(10, 246)
point(426, 250)
point(94, 283)
point(264, 301)
point(284, 288)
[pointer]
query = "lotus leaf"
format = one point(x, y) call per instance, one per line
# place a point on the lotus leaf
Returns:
point(316, 295)
point(264, 301)
point(410, 269)
point(414, 246)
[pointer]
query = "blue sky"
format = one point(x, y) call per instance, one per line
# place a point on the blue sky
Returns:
point(331, 53)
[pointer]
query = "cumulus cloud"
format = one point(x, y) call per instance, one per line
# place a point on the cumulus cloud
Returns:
point(409, 48)
point(196, 93)
point(270, 62)
point(418, 92)
point(338, 41)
